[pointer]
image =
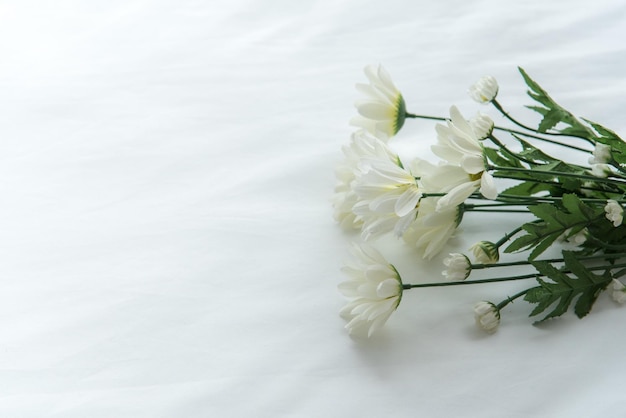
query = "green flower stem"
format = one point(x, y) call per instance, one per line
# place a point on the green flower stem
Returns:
point(486, 207)
point(521, 125)
point(546, 199)
point(497, 142)
point(523, 292)
point(499, 210)
point(551, 260)
point(467, 282)
point(497, 105)
point(554, 183)
point(508, 236)
point(498, 279)
point(413, 116)
point(555, 173)
point(510, 299)
point(501, 279)
point(539, 138)
point(503, 129)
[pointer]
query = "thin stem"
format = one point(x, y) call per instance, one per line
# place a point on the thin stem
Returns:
point(414, 116)
point(499, 279)
point(546, 199)
point(539, 138)
point(497, 105)
point(508, 236)
point(504, 129)
point(471, 206)
point(497, 142)
point(499, 210)
point(510, 299)
point(468, 282)
point(550, 260)
point(556, 173)
point(521, 125)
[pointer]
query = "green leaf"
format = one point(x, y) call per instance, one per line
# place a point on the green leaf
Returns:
point(550, 120)
point(584, 286)
point(496, 157)
point(530, 152)
point(553, 114)
point(610, 138)
point(553, 220)
point(527, 188)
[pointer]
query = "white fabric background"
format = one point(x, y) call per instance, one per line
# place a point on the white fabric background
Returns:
point(167, 247)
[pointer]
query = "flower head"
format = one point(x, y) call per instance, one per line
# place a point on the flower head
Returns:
point(487, 316)
point(431, 230)
point(614, 212)
point(619, 292)
point(374, 290)
point(485, 252)
point(458, 267)
point(482, 125)
point(383, 111)
point(362, 146)
point(485, 90)
point(388, 197)
point(464, 171)
point(601, 154)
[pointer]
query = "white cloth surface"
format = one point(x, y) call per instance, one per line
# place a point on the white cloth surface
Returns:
point(167, 247)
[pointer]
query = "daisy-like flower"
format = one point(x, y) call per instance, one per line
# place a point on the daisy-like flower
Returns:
point(487, 316)
point(362, 146)
point(601, 154)
point(482, 125)
point(383, 111)
point(465, 171)
point(374, 290)
point(614, 212)
point(485, 90)
point(432, 230)
point(388, 197)
point(619, 292)
point(485, 252)
point(458, 267)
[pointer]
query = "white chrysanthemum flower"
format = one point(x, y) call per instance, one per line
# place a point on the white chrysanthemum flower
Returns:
point(619, 292)
point(374, 290)
point(601, 154)
point(383, 111)
point(614, 212)
point(431, 230)
point(465, 172)
point(362, 146)
point(601, 170)
point(458, 267)
point(485, 90)
point(485, 252)
point(388, 196)
point(482, 125)
point(449, 179)
point(487, 316)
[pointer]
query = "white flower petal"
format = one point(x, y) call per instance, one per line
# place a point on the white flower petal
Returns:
point(457, 195)
point(473, 164)
point(374, 291)
point(488, 186)
point(407, 202)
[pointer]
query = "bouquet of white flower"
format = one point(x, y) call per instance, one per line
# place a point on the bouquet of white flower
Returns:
point(578, 208)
